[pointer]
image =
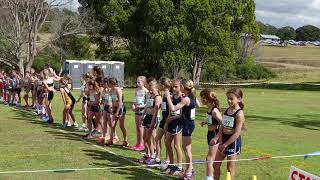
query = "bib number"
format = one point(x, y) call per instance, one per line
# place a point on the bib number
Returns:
point(149, 102)
point(164, 106)
point(139, 100)
point(209, 119)
point(193, 114)
point(228, 121)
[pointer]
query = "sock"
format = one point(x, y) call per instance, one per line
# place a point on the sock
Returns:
point(209, 178)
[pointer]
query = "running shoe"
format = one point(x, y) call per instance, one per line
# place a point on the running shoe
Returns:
point(125, 144)
point(108, 143)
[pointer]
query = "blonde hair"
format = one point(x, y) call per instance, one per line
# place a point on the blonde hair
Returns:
point(143, 79)
point(189, 86)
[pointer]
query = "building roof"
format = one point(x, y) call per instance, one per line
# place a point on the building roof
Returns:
point(269, 36)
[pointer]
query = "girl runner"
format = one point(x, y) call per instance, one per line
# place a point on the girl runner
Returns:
point(187, 106)
point(150, 122)
point(107, 107)
point(93, 97)
point(173, 126)
point(118, 112)
point(138, 109)
point(165, 84)
point(214, 118)
point(84, 79)
point(229, 133)
point(27, 87)
point(68, 101)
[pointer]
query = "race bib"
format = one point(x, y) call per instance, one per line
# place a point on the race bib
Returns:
point(164, 106)
point(140, 100)
point(176, 113)
point(209, 119)
point(107, 98)
point(92, 98)
point(149, 102)
point(228, 121)
point(193, 114)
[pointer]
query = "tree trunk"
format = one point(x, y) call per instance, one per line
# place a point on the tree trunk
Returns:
point(21, 66)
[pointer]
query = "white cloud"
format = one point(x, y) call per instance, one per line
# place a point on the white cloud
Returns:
point(294, 13)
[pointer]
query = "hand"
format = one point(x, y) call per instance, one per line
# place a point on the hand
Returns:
point(165, 128)
point(222, 147)
point(133, 108)
point(167, 93)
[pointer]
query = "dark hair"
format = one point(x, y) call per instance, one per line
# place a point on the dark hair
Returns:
point(113, 81)
point(106, 80)
point(210, 96)
point(238, 93)
point(94, 84)
point(98, 70)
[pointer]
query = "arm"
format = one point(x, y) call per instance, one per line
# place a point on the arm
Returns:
point(240, 121)
point(156, 111)
point(62, 95)
point(172, 107)
point(119, 94)
point(217, 115)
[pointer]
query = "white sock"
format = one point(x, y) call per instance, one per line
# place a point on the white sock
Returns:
point(209, 178)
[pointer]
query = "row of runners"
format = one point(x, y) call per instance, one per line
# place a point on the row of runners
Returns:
point(164, 111)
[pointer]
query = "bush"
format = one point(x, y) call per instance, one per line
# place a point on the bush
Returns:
point(250, 70)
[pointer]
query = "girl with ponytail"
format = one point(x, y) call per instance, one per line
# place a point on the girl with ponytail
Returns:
point(213, 121)
point(229, 133)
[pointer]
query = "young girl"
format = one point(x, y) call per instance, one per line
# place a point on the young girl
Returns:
point(229, 133)
point(214, 118)
point(68, 101)
point(49, 78)
point(118, 112)
point(84, 79)
point(173, 126)
point(138, 109)
point(27, 87)
point(150, 122)
point(94, 97)
point(107, 107)
point(165, 84)
point(187, 106)
point(18, 89)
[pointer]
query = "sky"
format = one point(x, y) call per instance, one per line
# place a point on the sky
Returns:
point(295, 13)
point(279, 13)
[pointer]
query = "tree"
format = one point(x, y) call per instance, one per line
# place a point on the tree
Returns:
point(20, 24)
point(308, 33)
point(171, 35)
point(267, 28)
point(286, 33)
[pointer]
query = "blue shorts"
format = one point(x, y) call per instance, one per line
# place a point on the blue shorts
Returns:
point(188, 128)
point(234, 148)
point(95, 108)
point(107, 108)
point(175, 127)
point(162, 123)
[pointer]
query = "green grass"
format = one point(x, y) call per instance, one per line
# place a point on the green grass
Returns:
point(279, 123)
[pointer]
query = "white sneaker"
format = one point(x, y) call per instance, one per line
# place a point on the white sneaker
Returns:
point(75, 125)
point(209, 178)
point(69, 124)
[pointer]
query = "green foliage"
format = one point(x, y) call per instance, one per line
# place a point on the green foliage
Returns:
point(308, 33)
point(171, 35)
point(267, 29)
point(250, 70)
point(286, 33)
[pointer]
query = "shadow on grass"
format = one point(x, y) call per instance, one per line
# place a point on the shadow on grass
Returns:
point(100, 156)
point(300, 121)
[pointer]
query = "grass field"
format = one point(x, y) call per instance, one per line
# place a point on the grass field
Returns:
point(292, 64)
point(279, 123)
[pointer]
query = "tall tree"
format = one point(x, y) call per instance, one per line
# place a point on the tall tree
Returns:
point(267, 28)
point(308, 33)
point(286, 33)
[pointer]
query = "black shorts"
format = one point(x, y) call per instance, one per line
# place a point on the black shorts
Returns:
point(38, 93)
point(122, 111)
point(162, 123)
point(188, 128)
point(95, 109)
point(147, 120)
point(211, 135)
point(175, 127)
point(18, 90)
point(107, 108)
point(50, 95)
point(234, 148)
point(84, 100)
